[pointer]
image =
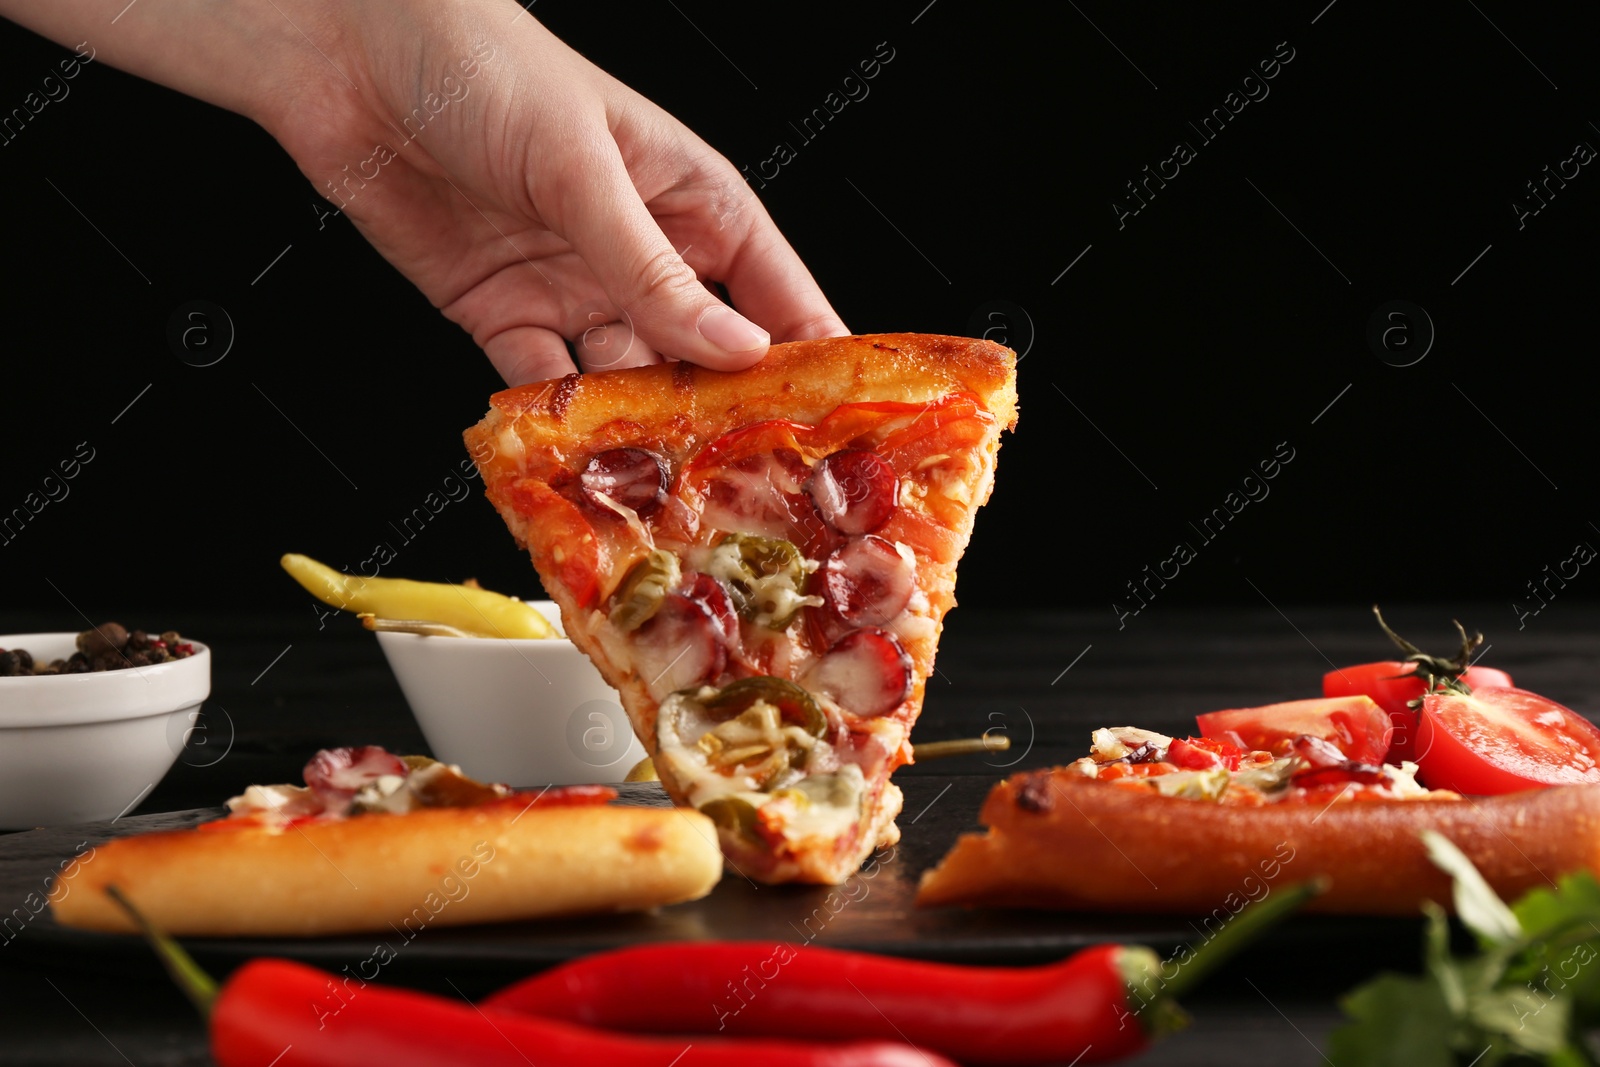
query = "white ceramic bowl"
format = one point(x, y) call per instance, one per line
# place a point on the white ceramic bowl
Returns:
point(83, 747)
point(524, 712)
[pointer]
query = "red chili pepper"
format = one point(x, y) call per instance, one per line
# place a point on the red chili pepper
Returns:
point(1055, 1013)
point(283, 1013)
point(1100, 1004)
point(279, 1012)
point(1104, 1002)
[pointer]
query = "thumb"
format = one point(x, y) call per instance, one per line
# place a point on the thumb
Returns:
point(610, 228)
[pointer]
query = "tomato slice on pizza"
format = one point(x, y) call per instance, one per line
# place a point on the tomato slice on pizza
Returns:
point(760, 563)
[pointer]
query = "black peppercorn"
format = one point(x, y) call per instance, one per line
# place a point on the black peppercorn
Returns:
point(107, 637)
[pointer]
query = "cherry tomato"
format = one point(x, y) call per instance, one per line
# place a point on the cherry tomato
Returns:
point(1355, 724)
point(1503, 740)
point(1393, 685)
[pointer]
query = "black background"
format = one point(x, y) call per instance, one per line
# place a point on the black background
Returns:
point(1175, 354)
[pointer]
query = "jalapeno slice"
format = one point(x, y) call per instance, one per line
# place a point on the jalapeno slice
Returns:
point(765, 576)
point(732, 813)
point(643, 589)
point(793, 703)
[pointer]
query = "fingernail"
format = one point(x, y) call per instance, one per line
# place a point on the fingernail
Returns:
point(731, 331)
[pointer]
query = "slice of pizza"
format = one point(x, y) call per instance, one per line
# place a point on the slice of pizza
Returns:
point(760, 562)
point(1201, 825)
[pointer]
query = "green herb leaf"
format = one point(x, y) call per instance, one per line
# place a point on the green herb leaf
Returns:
point(1522, 1019)
point(1396, 1022)
point(1483, 912)
point(1569, 1056)
point(1441, 965)
point(1575, 902)
point(1527, 998)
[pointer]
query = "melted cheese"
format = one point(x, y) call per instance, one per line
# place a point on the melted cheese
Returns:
point(916, 623)
point(824, 806)
point(629, 516)
point(509, 443)
point(812, 795)
point(1267, 779)
point(1195, 785)
point(278, 803)
point(1119, 741)
point(387, 793)
point(275, 806)
point(775, 592)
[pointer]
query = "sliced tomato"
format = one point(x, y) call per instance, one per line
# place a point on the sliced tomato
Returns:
point(1393, 684)
point(1203, 754)
point(1355, 724)
point(1503, 740)
point(575, 551)
point(933, 417)
point(910, 448)
point(875, 424)
point(764, 436)
point(926, 536)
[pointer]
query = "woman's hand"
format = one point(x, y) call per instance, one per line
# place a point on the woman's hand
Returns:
point(535, 199)
point(532, 197)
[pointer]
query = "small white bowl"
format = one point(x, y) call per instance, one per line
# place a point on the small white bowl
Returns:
point(527, 712)
point(83, 747)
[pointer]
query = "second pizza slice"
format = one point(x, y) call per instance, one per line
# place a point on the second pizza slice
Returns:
point(760, 563)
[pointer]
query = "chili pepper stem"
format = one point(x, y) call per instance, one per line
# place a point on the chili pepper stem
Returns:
point(1158, 1013)
point(197, 985)
point(645, 771)
point(960, 747)
point(1146, 979)
point(410, 626)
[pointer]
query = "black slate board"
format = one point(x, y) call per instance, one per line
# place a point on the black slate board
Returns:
point(873, 911)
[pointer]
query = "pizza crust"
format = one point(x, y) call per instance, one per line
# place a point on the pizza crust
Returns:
point(800, 380)
point(433, 867)
point(1059, 840)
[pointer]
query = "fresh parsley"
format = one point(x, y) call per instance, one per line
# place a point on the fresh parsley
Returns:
point(1529, 996)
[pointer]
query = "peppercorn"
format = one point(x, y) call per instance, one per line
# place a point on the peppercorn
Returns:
point(107, 647)
point(107, 637)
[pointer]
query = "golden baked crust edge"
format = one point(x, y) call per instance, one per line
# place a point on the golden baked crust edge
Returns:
point(435, 867)
point(800, 380)
point(1059, 840)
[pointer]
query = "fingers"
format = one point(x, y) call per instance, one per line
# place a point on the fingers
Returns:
point(613, 346)
point(524, 354)
point(767, 280)
point(608, 225)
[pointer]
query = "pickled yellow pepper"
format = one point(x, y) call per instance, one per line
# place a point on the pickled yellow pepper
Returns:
point(476, 611)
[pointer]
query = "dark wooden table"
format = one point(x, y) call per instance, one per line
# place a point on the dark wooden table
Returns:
point(282, 688)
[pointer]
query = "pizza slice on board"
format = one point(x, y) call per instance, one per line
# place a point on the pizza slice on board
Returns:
point(760, 562)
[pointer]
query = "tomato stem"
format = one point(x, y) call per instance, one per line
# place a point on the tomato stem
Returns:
point(1440, 674)
point(197, 985)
